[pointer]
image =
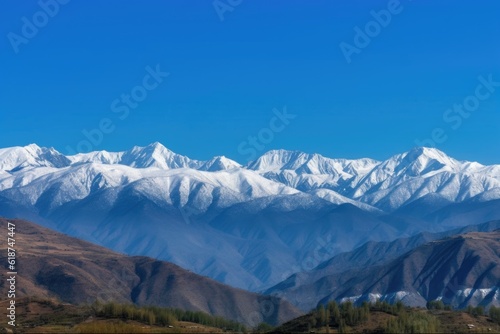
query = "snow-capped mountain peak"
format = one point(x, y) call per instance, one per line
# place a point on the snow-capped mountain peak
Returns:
point(152, 155)
point(309, 163)
point(276, 160)
point(425, 160)
point(219, 163)
point(385, 185)
point(17, 158)
point(104, 157)
point(155, 155)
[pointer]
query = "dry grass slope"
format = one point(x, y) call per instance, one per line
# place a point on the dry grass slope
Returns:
point(53, 265)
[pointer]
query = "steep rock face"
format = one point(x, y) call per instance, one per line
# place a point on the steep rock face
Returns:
point(75, 271)
point(460, 270)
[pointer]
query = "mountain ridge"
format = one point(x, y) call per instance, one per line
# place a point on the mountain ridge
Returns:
point(383, 185)
point(247, 225)
point(298, 288)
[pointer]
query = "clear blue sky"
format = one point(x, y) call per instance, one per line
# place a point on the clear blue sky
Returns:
point(226, 76)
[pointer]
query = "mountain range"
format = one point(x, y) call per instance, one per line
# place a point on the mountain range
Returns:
point(460, 267)
point(54, 265)
point(250, 226)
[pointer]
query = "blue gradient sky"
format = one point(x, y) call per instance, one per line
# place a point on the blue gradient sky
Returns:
point(227, 76)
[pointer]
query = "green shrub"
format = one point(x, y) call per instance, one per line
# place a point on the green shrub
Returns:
point(495, 314)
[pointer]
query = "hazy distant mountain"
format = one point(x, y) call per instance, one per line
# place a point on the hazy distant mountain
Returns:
point(248, 226)
point(460, 270)
point(74, 271)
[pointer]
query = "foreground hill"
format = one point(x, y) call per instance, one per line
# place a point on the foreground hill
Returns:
point(51, 316)
point(51, 264)
point(461, 270)
point(381, 317)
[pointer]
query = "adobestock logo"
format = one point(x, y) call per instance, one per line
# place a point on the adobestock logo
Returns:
point(120, 106)
point(253, 144)
point(223, 6)
point(456, 115)
point(139, 93)
point(363, 37)
point(323, 251)
point(31, 27)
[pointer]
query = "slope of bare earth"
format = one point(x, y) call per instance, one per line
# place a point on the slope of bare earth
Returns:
point(53, 265)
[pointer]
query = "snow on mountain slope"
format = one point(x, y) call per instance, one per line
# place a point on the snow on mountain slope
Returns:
point(336, 198)
point(406, 177)
point(156, 155)
point(202, 189)
point(219, 163)
point(153, 155)
point(59, 186)
point(365, 183)
point(103, 157)
point(29, 172)
point(313, 173)
point(419, 162)
point(17, 158)
point(385, 185)
point(277, 161)
point(66, 184)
